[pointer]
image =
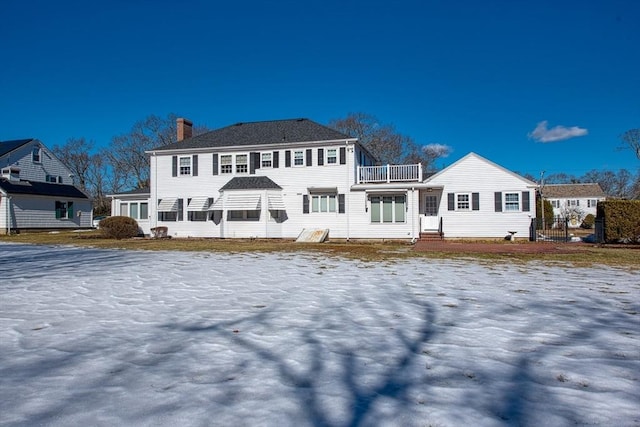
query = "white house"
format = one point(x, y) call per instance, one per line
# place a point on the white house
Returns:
point(275, 179)
point(37, 191)
point(573, 201)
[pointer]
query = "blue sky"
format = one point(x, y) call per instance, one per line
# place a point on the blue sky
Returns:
point(533, 86)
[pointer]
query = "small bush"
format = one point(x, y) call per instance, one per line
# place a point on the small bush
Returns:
point(119, 227)
point(588, 221)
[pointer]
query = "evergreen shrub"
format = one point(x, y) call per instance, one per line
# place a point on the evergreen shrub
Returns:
point(119, 227)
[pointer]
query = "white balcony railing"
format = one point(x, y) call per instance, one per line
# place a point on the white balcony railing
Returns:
point(390, 173)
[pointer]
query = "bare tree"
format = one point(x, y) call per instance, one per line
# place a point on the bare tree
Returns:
point(128, 161)
point(76, 155)
point(385, 143)
point(614, 184)
point(631, 139)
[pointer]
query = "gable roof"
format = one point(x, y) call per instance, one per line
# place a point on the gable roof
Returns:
point(8, 146)
point(487, 161)
point(260, 133)
point(250, 183)
point(573, 190)
point(41, 189)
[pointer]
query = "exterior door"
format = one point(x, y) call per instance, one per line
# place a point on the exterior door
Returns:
point(430, 220)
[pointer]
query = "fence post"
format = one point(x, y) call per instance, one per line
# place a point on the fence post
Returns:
point(532, 229)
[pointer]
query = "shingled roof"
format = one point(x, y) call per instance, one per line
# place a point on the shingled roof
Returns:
point(250, 183)
point(41, 189)
point(260, 133)
point(8, 146)
point(575, 191)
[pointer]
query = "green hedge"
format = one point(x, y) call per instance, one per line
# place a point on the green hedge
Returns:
point(621, 220)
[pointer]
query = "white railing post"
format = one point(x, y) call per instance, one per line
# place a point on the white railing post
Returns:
point(420, 172)
point(388, 172)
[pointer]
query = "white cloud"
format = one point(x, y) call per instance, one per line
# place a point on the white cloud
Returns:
point(557, 133)
point(437, 150)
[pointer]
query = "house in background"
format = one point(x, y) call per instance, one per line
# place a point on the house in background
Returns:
point(274, 179)
point(37, 190)
point(573, 201)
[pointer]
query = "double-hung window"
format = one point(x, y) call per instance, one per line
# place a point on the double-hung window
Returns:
point(226, 164)
point(242, 163)
point(463, 202)
point(332, 156)
point(323, 203)
point(512, 202)
point(266, 160)
point(36, 155)
point(298, 158)
point(185, 165)
point(388, 209)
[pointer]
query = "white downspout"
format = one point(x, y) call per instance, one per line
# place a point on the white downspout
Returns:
point(351, 160)
point(9, 215)
point(413, 212)
point(155, 190)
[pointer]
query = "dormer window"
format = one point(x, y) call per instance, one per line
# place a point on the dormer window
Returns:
point(36, 155)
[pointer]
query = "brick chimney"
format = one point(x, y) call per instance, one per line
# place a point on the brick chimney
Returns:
point(185, 129)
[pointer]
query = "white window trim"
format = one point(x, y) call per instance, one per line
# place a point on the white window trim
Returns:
point(327, 197)
point(190, 166)
point(468, 202)
point(33, 151)
point(236, 164)
point(506, 203)
point(393, 209)
point(222, 165)
point(293, 161)
point(270, 160)
point(327, 157)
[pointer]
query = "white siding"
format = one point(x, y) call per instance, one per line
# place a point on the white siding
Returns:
point(473, 174)
point(294, 180)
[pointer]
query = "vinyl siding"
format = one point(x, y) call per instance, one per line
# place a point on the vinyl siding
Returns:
point(475, 175)
point(48, 165)
point(294, 180)
point(39, 212)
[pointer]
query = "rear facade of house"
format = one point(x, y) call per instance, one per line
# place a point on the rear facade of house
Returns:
point(275, 179)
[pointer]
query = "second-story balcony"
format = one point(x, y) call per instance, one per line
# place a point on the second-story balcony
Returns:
point(390, 173)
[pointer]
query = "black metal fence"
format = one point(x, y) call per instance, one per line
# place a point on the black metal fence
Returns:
point(552, 230)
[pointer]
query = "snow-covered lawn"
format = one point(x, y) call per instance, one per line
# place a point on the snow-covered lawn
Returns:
point(94, 337)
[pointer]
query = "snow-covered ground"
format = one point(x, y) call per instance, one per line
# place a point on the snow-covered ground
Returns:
point(94, 337)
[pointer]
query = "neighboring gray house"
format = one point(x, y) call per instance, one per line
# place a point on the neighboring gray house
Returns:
point(37, 190)
point(573, 201)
